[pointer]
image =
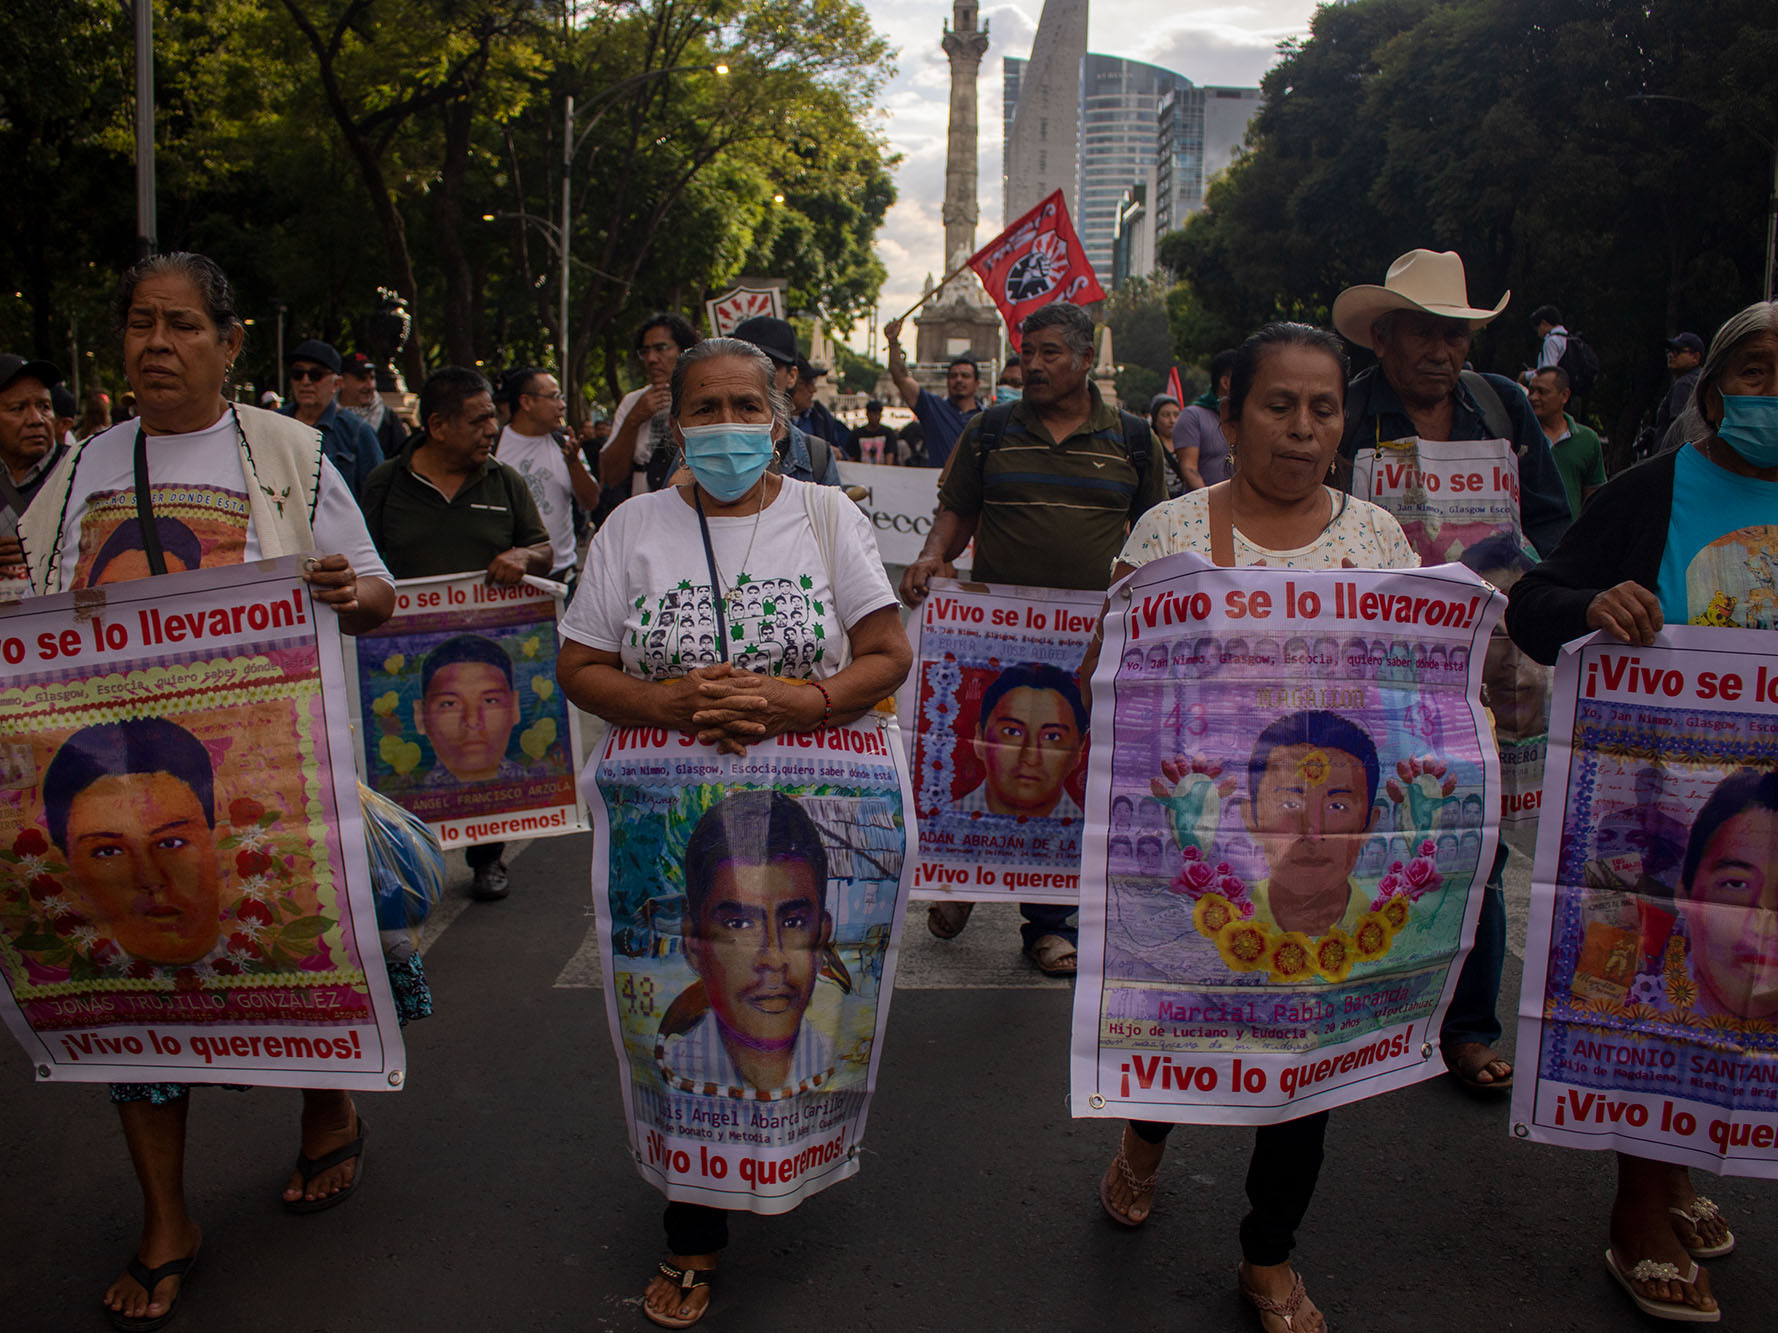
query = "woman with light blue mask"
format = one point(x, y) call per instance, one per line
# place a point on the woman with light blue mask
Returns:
point(1689, 537)
point(806, 633)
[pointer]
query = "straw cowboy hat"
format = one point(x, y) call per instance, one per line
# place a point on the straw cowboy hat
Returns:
point(1429, 280)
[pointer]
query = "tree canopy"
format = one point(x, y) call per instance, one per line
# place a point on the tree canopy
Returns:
point(1613, 160)
point(320, 149)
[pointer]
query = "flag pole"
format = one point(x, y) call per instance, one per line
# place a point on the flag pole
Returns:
point(948, 278)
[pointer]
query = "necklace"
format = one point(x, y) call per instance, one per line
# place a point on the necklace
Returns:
point(734, 589)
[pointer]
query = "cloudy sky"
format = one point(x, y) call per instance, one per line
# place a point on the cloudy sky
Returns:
point(1229, 44)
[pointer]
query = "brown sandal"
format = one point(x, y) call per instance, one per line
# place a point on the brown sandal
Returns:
point(687, 1280)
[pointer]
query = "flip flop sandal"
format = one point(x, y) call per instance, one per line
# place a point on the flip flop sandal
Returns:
point(150, 1278)
point(1468, 1058)
point(1653, 1270)
point(1702, 1210)
point(1055, 956)
point(1285, 1309)
point(310, 1167)
point(1142, 1187)
point(688, 1280)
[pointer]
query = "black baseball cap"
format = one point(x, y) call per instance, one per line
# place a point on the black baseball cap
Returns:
point(774, 337)
point(313, 349)
point(356, 363)
point(62, 397)
point(1686, 342)
point(13, 367)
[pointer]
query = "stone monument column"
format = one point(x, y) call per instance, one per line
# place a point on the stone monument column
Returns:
point(965, 45)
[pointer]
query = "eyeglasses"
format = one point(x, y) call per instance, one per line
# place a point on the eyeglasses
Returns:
point(659, 347)
point(558, 395)
point(314, 374)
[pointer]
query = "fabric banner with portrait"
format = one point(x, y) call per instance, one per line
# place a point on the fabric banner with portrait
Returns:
point(998, 731)
point(749, 908)
point(1458, 500)
point(1648, 1022)
point(459, 717)
point(1290, 939)
point(184, 892)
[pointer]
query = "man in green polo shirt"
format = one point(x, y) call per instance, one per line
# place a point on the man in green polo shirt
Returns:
point(1048, 505)
point(1579, 457)
point(446, 505)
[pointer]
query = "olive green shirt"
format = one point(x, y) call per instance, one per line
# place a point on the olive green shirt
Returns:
point(1051, 513)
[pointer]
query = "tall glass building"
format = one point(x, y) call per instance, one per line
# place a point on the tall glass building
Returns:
point(1198, 132)
point(1119, 101)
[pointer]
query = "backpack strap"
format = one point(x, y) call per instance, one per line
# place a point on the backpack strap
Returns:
point(1494, 413)
point(1221, 503)
point(989, 431)
point(1138, 444)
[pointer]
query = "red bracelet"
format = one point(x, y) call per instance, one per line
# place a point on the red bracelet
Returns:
point(827, 700)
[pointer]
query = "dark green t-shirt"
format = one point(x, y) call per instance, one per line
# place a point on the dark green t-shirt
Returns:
point(421, 534)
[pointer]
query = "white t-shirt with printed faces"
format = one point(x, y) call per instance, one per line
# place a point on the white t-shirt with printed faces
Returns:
point(645, 594)
point(199, 490)
point(538, 459)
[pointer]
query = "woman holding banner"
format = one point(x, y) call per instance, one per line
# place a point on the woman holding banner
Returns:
point(236, 475)
point(738, 606)
point(1686, 538)
point(1282, 417)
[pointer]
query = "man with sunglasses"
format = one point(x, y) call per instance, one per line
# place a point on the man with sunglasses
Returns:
point(548, 458)
point(314, 379)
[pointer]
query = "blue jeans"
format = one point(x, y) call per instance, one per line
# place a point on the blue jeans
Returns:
point(1047, 919)
point(1472, 1016)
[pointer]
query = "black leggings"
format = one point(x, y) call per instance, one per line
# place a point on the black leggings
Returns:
point(1280, 1182)
point(693, 1228)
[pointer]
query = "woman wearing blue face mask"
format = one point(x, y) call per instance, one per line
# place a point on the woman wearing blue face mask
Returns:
point(738, 605)
point(1685, 538)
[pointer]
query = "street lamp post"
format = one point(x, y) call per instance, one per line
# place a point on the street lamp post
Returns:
point(147, 242)
point(570, 149)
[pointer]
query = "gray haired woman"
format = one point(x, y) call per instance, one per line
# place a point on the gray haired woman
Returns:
point(823, 649)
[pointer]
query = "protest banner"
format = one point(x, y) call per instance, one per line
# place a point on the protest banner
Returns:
point(458, 715)
point(1648, 1021)
point(749, 910)
point(998, 740)
point(183, 886)
point(1459, 500)
point(901, 502)
point(1315, 800)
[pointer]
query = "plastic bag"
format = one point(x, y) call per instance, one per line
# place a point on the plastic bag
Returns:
point(406, 861)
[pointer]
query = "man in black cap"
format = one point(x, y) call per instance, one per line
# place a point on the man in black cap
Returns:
point(29, 450)
point(314, 378)
point(812, 417)
point(358, 395)
point(799, 456)
point(1685, 357)
point(67, 412)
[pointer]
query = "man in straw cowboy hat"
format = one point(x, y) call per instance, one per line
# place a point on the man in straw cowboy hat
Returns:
point(1419, 323)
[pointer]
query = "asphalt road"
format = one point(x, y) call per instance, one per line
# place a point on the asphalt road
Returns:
point(499, 1194)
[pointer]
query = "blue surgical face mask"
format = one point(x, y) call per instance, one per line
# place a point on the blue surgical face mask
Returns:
point(1750, 427)
point(1005, 393)
point(727, 459)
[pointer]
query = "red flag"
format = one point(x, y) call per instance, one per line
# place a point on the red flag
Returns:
point(1174, 387)
point(1037, 260)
